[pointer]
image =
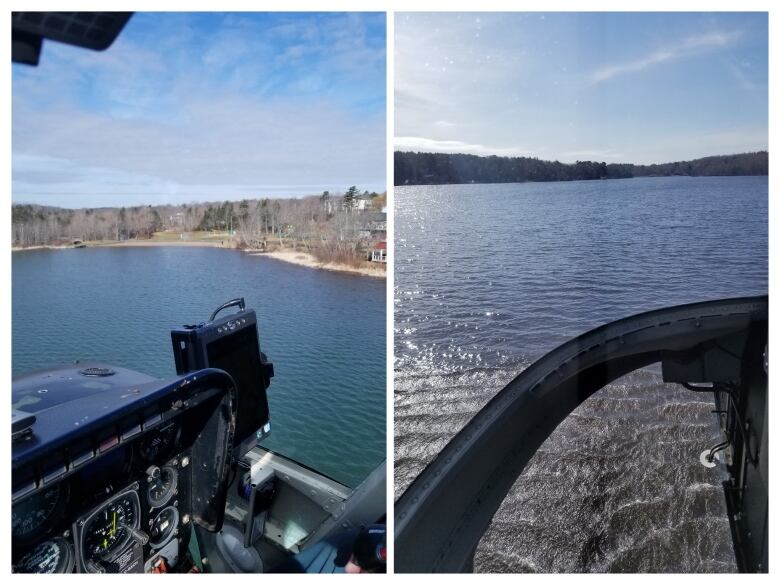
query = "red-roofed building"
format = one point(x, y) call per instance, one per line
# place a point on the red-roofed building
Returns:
point(378, 252)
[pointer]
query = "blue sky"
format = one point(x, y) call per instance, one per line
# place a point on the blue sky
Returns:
point(631, 87)
point(204, 106)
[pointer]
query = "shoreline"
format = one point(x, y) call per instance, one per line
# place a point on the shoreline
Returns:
point(284, 255)
point(24, 249)
point(130, 244)
point(580, 180)
point(309, 261)
point(164, 243)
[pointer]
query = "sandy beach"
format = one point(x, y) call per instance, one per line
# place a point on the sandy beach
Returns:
point(20, 249)
point(304, 259)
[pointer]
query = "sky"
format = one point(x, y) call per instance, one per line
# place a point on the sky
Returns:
point(633, 87)
point(204, 107)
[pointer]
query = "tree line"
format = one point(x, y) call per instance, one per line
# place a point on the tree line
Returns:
point(39, 225)
point(427, 168)
point(327, 225)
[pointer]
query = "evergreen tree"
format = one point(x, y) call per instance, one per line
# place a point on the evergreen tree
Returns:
point(350, 196)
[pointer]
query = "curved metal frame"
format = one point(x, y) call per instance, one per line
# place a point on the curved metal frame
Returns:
point(441, 517)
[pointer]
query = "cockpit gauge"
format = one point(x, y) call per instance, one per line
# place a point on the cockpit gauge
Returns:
point(107, 530)
point(161, 485)
point(163, 526)
point(50, 556)
point(30, 518)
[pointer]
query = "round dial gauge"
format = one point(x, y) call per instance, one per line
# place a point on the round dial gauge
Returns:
point(106, 530)
point(50, 556)
point(161, 486)
point(163, 526)
point(30, 517)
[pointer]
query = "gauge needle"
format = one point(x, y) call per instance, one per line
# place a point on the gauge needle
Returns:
point(113, 528)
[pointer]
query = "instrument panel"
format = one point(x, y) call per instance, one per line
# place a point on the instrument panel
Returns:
point(106, 532)
point(123, 514)
point(103, 464)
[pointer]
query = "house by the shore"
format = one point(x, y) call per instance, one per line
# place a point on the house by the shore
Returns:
point(378, 252)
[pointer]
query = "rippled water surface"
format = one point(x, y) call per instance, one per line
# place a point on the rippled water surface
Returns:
point(323, 331)
point(491, 277)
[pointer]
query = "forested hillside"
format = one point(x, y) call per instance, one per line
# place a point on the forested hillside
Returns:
point(426, 168)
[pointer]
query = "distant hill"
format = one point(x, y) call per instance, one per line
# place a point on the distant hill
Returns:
point(425, 168)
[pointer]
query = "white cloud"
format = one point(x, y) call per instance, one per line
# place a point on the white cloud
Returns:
point(686, 48)
point(419, 144)
point(94, 186)
point(225, 143)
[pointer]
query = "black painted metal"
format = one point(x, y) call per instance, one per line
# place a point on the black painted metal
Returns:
point(443, 514)
point(747, 490)
point(91, 30)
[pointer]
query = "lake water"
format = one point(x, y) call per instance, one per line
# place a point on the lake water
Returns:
point(324, 332)
point(489, 278)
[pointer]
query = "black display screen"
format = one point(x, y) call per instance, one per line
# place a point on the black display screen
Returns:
point(239, 355)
